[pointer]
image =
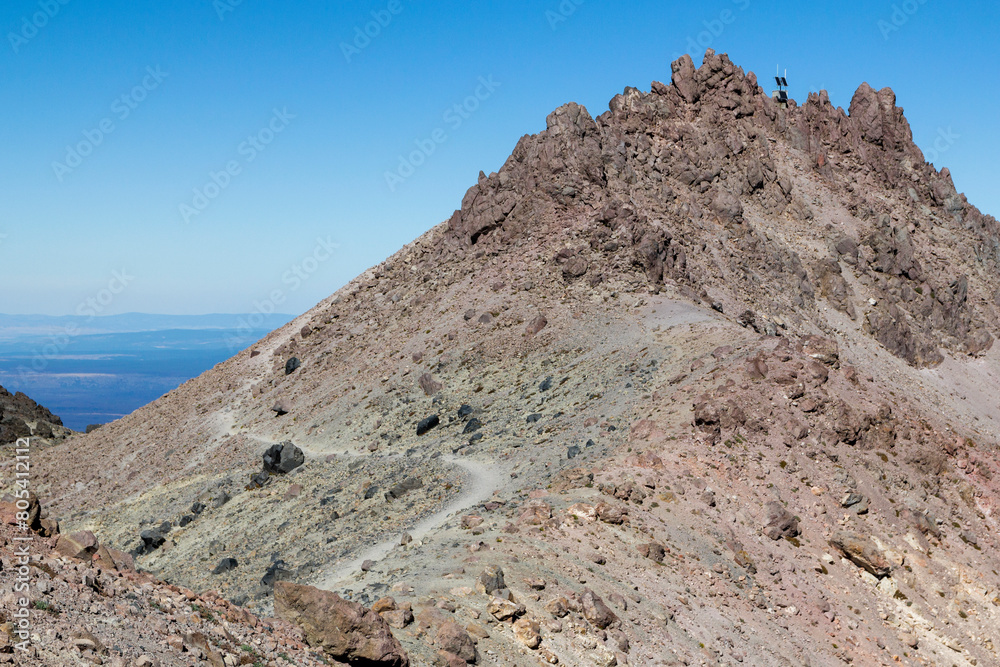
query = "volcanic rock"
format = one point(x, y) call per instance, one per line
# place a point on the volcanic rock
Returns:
point(282, 458)
point(343, 630)
point(862, 552)
point(779, 522)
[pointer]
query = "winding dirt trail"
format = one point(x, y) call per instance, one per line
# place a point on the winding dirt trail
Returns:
point(481, 481)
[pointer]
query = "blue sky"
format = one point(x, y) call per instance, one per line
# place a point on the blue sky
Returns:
point(198, 156)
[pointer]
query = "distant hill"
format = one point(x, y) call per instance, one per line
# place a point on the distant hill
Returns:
point(13, 326)
point(93, 370)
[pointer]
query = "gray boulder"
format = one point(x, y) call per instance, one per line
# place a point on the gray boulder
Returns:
point(283, 458)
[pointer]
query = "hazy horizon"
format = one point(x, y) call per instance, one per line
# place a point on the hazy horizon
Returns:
point(140, 313)
point(95, 369)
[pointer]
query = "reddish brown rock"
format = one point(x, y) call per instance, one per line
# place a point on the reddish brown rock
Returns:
point(343, 630)
point(81, 545)
point(653, 551)
point(527, 632)
point(398, 618)
point(536, 325)
point(822, 349)
point(112, 559)
point(502, 609)
point(613, 514)
point(756, 369)
point(535, 514)
point(453, 638)
point(862, 552)
point(491, 579)
point(10, 510)
point(429, 385)
point(575, 267)
point(48, 527)
point(383, 604)
point(447, 659)
point(779, 522)
point(595, 611)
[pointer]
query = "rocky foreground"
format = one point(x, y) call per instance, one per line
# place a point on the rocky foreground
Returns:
point(87, 604)
point(700, 381)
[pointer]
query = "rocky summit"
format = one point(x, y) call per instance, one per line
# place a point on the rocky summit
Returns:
point(704, 380)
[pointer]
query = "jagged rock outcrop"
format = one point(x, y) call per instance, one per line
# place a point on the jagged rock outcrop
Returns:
point(17, 411)
point(655, 181)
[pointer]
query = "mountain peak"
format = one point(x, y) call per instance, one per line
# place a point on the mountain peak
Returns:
point(656, 341)
point(696, 159)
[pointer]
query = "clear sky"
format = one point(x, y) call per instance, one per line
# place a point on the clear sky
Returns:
point(228, 155)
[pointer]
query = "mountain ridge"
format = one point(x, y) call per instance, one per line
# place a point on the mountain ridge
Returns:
point(734, 360)
point(875, 138)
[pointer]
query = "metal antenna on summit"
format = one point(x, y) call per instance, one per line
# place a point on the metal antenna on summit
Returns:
point(780, 95)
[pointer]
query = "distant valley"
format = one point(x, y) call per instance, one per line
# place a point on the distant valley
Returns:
point(92, 370)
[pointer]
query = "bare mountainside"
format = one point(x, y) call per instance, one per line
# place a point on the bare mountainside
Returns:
point(703, 380)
